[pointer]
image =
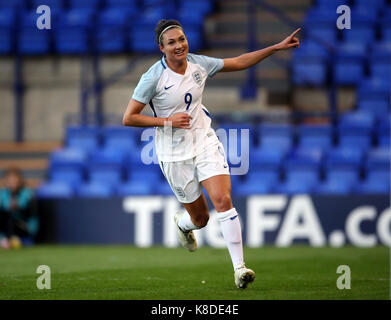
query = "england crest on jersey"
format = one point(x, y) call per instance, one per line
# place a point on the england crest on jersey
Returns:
point(197, 77)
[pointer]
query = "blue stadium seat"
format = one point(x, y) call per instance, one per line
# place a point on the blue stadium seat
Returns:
point(344, 157)
point(70, 175)
point(156, 3)
point(324, 33)
point(135, 188)
point(309, 64)
point(7, 17)
point(279, 142)
point(266, 157)
point(333, 187)
point(306, 72)
point(110, 36)
point(304, 159)
point(272, 129)
point(123, 4)
point(164, 189)
point(14, 4)
point(7, 29)
point(6, 41)
point(386, 33)
point(31, 40)
point(374, 185)
point(315, 136)
point(362, 142)
point(383, 132)
point(234, 130)
point(304, 175)
point(95, 190)
point(191, 19)
point(349, 68)
point(258, 181)
point(142, 37)
point(195, 39)
point(111, 156)
point(72, 40)
point(80, 18)
point(72, 32)
point(120, 137)
point(384, 140)
point(379, 63)
point(365, 4)
point(253, 187)
point(68, 158)
point(57, 5)
point(84, 4)
point(344, 175)
point(136, 160)
point(378, 159)
point(385, 24)
point(320, 15)
point(110, 40)
point(107, 175)
point(357, 122)
point(356, 51)
point(115, 17)
point(316, 142)
point(373, 96)
point(294, 187)
point(312, 50)
point(54, 190)
point(151, 173)
point(202, 7)
point(364, 34)
point(363, 25)
point(85, 138)
point(330, 3)
point(266, 176)
point(106, 166)
point(377, 174)
point(276, 136)
point(142, 159)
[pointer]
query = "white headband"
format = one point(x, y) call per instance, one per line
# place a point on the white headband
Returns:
point(167, 28)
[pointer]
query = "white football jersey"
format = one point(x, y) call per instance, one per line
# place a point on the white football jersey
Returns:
point(167, 93)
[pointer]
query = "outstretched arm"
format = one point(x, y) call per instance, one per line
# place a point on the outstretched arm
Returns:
point(249, 59)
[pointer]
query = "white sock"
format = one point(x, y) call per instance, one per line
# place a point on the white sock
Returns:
point(232, 233)
point(185, 222)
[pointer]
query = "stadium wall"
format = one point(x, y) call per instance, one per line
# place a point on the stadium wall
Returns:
point(279, 220)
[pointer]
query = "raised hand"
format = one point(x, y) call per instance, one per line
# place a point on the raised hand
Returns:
point(289, 42)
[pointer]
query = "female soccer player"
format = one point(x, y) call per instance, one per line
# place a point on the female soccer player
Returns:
point(188, 150)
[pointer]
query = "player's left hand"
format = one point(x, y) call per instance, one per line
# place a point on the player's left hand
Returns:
point(289, 42)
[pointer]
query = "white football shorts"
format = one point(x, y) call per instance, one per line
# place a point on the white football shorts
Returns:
point(184, 177)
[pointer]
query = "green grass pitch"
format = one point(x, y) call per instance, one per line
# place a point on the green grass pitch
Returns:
point(126, 272)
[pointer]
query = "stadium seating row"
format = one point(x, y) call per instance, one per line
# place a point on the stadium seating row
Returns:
point(346, 56)
point(360, 129)
point(276, 165)
point(337, 181)
point(121, 26)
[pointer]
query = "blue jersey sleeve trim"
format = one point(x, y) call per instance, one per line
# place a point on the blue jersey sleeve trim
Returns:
point(153, 108)
point(162, 62)
point(207, 113)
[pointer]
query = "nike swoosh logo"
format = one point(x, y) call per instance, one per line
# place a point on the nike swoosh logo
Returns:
point(233, 217)
point(166, 88)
